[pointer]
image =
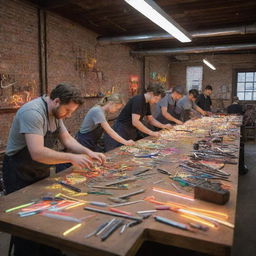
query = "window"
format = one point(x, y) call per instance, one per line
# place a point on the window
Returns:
point(246, 85)
point(194, 78)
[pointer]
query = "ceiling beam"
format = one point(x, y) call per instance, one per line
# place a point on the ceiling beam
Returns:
point(238, 30)
point(196, 49)
point(53, 4)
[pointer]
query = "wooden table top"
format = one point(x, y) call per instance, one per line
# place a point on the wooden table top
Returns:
point(216, 241)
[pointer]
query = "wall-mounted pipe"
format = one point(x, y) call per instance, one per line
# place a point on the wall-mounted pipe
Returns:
point(240, 30)
point(196, 49)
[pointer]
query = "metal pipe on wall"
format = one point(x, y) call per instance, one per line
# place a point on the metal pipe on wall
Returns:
point(196, 49)
point(42, 51)
point(239, 30)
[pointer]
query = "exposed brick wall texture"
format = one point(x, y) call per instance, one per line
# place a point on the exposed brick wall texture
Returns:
point(221, 80)
point(67, 42)
point(158, 64)
point(18, 53)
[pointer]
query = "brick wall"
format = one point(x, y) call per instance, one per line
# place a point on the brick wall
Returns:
point(18, 54)
point(67, 44)
point(157, 64)
point(221, 79)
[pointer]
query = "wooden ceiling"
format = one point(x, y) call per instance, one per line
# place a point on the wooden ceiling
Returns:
point(117, 18)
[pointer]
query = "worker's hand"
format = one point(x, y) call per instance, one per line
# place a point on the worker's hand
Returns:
point(204, 113)
point(101, 158)
point(178, 121)
point(81, 161)
point(155, 134)
point(129, 143)
point(167, 126)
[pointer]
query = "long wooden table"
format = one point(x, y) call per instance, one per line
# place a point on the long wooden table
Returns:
point(50, 231)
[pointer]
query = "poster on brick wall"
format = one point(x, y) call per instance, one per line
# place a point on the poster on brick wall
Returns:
point(194, 78)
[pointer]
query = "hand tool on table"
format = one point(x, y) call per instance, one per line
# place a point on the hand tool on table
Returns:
point(115, 225)
point(133, 223)
point(112, 213)
point(123, 228)
point(102, 204)
point(108, 187)
point(117, 200)
point(173, 223)
point(124, 198)
point(69, 186)
point(163, 171)
point(106, 227)
point(140, 172)
point(132, 194)
point(120, 211)
point(99, 228)
point(198, 226)
point(128, 203)
point(121, 181)
point(150, 155)
point(99, 193)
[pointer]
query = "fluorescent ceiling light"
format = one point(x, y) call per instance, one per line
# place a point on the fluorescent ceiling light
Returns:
point(206, 62)
point(152, 11)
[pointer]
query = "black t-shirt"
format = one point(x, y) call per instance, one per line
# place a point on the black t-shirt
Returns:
point(235, 109)
point(136, 105)
point(204, 102)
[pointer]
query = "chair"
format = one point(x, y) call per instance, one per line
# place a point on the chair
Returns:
point(249, 133)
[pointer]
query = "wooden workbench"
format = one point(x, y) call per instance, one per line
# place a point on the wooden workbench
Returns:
point(50, 231)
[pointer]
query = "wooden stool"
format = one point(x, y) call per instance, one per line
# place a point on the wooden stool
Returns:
point(249, 133)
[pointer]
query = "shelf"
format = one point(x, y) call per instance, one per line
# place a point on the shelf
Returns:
point(8, 110)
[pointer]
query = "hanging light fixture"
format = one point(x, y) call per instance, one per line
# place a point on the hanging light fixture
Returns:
point(152, 11)
point(206, 62)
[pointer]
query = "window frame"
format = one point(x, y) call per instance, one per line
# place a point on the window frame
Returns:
point(234, 92)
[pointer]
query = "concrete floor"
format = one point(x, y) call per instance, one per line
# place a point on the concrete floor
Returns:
point(245, 238)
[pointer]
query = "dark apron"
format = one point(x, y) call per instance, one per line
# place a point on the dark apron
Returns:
point(171, 109)
point(20, 170)
point(91, 138)
point(125, 131)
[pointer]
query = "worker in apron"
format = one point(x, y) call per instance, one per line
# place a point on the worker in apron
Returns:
point(95, 123)
point(29, 154)
point(129, 122)
point(186, 106)
point(166, 107)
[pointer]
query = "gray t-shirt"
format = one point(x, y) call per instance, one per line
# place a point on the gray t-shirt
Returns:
point(31, 118)
point(93, 118)
point(185, 104)
point(164, 102)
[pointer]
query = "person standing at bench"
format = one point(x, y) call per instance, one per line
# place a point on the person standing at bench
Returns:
point(95, 123)
point(129, 122)
point(29, 154)
point(204, 100)
point(187, 105)
point(165, 109)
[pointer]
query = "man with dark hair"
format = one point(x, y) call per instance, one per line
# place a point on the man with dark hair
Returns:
point(29, 154)
point(129, 122)
point(187, 104)
point(204, 100)
point(165, 109)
